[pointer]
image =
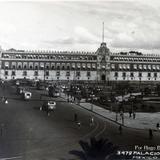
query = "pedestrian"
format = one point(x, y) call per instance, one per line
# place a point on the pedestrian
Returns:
point(40, 96)
point(75, 117)
point(120, 129)
point(150, 134)
point(116, 116)
point(130, 113)
point(123, 119)
point(91, 121)
point(157, 125)
point(134, 115)
point(48, 112)
point(79, 124)
point(3, 99)
point(121, 113)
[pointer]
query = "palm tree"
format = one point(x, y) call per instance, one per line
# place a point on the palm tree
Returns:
point(100, 149)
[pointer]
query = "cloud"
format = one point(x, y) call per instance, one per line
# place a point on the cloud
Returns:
point(78, 24)
point(80, 35)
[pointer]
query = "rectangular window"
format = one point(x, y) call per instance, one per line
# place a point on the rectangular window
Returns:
point(88, 74)
point(140, 74)
point(47, 73)
point(24, 73)
point(36, 73)
point(78, 74)
point(67, 73)
point(13, 73)
point(116, 74)
point(149, 74)
point(155, 74)
point(58, 73)
point(124, 74)
point(6, 73)
point(131, 74)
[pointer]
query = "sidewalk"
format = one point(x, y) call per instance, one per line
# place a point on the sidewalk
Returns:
point(141, 121)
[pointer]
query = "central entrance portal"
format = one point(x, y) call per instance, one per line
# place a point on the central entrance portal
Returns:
point(103, 77)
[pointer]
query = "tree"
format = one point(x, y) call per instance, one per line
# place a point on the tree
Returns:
point(100, 149)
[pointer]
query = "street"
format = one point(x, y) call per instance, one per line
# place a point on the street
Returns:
point(28, 133)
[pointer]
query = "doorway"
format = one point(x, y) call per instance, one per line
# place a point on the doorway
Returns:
point(103, 77)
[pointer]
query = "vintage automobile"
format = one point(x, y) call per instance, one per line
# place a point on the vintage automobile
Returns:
point(48, 106)
point(53, 92)
point(27, 95)
point(56, 94)
point(17, 83)
point(20, 90)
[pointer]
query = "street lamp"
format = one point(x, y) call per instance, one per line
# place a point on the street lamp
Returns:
point(92, 95)
point(78, 95)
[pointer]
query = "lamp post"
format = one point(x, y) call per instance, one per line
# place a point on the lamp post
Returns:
point(78, 95)
point(92, 95)
point(116, 114)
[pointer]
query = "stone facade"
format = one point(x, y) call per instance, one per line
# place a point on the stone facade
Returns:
point(101, 65)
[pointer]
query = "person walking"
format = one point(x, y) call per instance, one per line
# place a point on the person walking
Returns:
point(134, 115)
point(130, 113)
point(120, 129)
point(123, 119)
point(3, 99)
point(116, 116)
point(91, 121)
point(157, 125)
point(150, 134)
point(75, 117)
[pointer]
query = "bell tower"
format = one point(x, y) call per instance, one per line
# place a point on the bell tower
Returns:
point(103, 60)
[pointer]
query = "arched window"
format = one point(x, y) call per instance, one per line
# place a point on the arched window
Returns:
point(36, 67)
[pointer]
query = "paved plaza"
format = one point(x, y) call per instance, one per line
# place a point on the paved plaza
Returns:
point(141, 121)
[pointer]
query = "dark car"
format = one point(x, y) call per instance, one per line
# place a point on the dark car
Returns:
point(48, 106)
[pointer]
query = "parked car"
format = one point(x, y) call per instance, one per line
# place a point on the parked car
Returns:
point(27, 95)
point(53, 92)
point(20, 90)
point(17, 83)
point(48, 106)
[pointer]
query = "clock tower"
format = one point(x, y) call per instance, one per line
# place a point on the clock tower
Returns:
point(103, 61)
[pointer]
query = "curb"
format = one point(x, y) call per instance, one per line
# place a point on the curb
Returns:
point(111, 119)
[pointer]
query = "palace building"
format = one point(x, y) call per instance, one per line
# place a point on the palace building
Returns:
point(101, 65)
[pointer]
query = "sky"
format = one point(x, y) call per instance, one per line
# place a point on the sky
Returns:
point(77, 25)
